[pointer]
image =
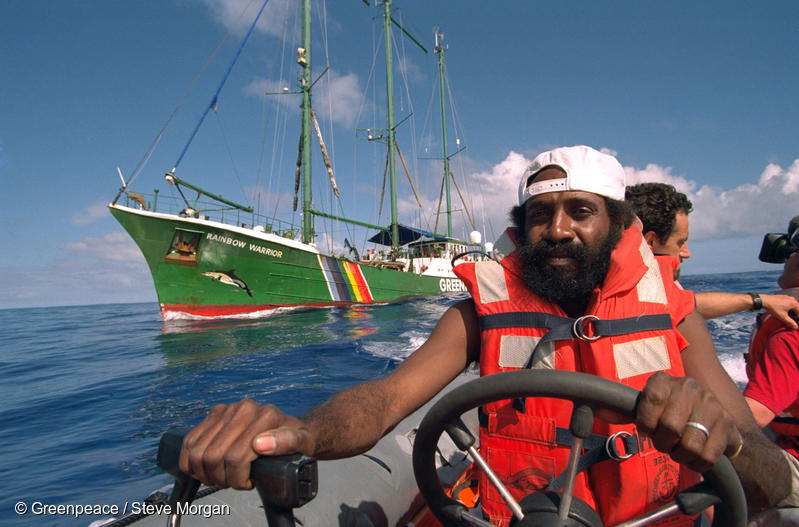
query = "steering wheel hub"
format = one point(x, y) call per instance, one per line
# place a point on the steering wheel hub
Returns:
point(541, 510)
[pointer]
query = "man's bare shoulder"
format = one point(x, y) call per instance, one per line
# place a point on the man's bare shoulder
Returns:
point(466, 307)
point(457, 334)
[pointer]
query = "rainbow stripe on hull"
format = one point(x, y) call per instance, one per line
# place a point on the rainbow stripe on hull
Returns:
point(345, 281)
point(208, 269)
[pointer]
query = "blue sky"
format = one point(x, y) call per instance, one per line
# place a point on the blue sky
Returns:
point(700, 95)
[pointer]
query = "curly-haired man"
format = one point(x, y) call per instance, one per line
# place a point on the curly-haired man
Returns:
point(664, 214)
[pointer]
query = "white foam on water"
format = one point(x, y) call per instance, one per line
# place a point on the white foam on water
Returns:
point(177, 315)
point(411, 340)
point(736, 368)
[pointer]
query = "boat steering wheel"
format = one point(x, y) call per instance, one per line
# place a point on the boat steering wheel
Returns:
point(721, 485)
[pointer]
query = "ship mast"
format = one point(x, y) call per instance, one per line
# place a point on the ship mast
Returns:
point(445, 183)
point(440, 50)
point(391, 144)
point(304, 60)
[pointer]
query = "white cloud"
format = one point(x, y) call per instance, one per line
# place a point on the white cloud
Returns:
point(272, 21)
point(327, 245)
point(92, 271)
point(409, 70)
point(657, 174)
point(608, 151)
point(116, 246)
point(96, 211)
point(495, 192)
point(746, 210)
point(789, 178)
point(335, 94)
point(339, 96)
point(63, 282)
point(489, 194)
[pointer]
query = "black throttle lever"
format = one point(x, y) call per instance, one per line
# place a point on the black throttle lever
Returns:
point(283, 482)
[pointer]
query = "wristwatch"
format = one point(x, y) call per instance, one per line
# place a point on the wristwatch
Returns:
point(757, 302)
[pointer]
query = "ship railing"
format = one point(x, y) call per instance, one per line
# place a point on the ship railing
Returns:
point(416, 258)
point(211, 211)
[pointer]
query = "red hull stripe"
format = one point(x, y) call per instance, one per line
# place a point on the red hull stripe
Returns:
point(360, 282)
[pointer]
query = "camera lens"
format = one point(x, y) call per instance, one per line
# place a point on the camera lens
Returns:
point(777, 248)
point(786, 250)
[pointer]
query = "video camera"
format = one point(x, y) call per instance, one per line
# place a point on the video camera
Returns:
point(777, 248)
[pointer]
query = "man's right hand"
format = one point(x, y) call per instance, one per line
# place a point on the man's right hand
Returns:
point(220, 450)
point(783, 307)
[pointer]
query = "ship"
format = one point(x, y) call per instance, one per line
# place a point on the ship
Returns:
point(213, 257)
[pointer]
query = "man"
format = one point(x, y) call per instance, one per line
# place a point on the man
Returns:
point(772, 366)
point(664, 214)
point(573, 253)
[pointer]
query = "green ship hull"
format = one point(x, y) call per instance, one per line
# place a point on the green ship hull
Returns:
point(210, 269)
point(220, 266)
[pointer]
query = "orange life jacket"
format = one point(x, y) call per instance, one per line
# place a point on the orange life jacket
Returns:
point(787, 423)
point(640, 306)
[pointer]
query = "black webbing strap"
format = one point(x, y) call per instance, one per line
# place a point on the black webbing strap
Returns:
point(565, 328)
point(561, 328)
point(786, 420)
point(597, 448)
point(786, 427)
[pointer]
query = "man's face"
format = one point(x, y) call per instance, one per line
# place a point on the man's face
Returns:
point(580, 217)
point(790, 273)
point(568, 242)
point(676, 244)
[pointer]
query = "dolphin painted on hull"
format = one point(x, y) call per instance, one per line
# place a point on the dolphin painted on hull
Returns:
point(229, 278)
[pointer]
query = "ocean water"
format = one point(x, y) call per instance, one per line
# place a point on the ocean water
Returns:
point(87, 391)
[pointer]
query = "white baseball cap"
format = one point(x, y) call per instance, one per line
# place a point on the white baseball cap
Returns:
point(586, 170)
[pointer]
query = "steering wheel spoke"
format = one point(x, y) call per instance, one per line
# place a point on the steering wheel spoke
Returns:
point(588, 393)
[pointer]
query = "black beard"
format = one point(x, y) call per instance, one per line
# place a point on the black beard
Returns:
point(571, 284)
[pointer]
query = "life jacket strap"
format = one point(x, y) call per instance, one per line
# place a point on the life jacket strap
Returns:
point(566, 328)
point(597, 448)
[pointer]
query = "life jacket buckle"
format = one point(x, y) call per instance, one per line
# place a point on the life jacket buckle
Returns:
point(578, 330)
point(610, 446)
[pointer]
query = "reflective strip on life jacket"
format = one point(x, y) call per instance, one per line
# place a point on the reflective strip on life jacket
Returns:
point(526, 448)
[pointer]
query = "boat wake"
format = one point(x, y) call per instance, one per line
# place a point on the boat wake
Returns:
point(736, 368)
point(397, 350)
point(174, 316)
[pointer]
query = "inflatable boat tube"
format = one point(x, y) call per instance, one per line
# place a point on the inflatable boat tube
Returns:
point(374, 489)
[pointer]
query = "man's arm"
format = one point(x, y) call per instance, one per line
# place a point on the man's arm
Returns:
point(761, 412)
point(220, 449)
point(451, 347)
point(712, 305)
point(763, 471)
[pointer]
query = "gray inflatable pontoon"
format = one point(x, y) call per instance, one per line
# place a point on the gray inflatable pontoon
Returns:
point(375, 489)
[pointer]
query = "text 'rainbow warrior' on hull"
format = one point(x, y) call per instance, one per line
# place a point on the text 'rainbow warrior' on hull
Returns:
point(213, 257)
point(210, 269)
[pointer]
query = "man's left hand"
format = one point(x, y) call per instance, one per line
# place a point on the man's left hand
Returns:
point(666, 407)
